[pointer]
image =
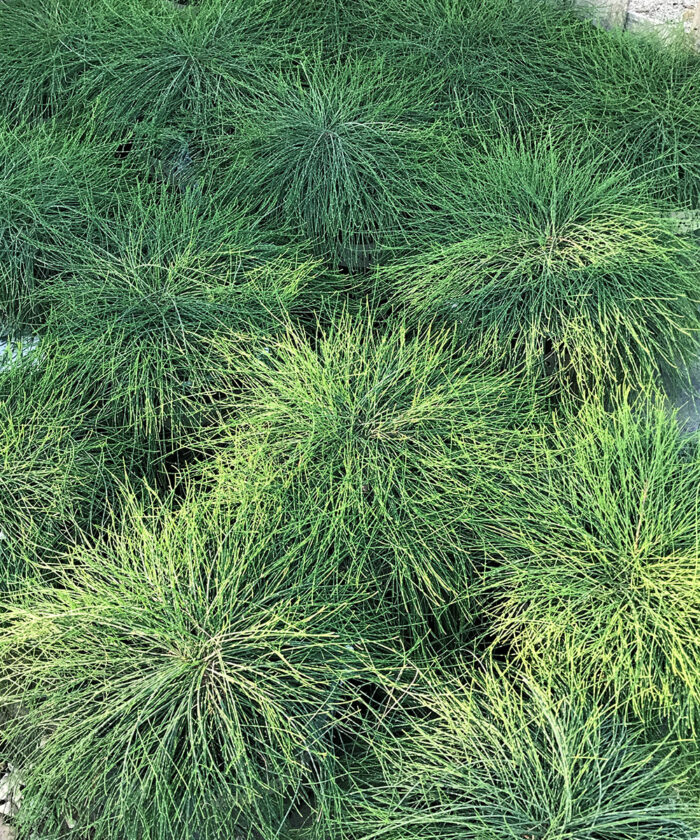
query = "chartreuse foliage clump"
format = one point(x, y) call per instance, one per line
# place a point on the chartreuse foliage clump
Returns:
point(393, 438)
point(53, 470)
point(602, 567)
point(340, 495)
point(176, 675)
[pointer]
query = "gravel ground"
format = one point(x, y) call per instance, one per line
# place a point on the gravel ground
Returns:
point(663, 10)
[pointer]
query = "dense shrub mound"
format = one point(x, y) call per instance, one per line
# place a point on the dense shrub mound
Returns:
point(341, 492)
point(175, 677)
point(338, 153)
point(48, 180)
point(561, 259)
point(52, 472)
point(43, 55)
point(603, 567)
point(504, 758)
point(393, 439)
point(144, 311)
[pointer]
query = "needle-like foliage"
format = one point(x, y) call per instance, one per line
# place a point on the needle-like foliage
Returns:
point(180, 681)
point(50, 179)
point(504, 757)
point(335, 153)
point(142, 312)
point(43, 49)
point(526, 63)
point(603, 568)
point(172, 63)
point(312, 319)
point(52, 471)
point(562, 258)
point(391, 438)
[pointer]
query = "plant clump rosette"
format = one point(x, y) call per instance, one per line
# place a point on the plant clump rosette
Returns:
point(499, 755)
point(602, 567)
point(564, 260)
point(179, 677)
point(394, 439)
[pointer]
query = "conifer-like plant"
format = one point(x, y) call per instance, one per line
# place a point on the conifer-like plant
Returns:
point(394, 440)
point(141, 313)
point(602, 572)
point(51, 182)
point(43, 48)
point(500, 756)
point(334, 154)
point(180, 680)
point(561, 258)
point(174, 64)
point(53, 478)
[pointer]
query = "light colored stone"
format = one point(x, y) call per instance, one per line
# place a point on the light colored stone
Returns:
point(686, 221)
point(7, 832)
point(663, 11)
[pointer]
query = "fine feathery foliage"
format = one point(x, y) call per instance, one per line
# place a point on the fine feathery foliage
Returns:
point(393, 439)
point(42, 44)
point(148, 61)
point(561, 257)
point(51, 181)
point(335, 154)
point(602, 570)
point(144, 311)
point(52, 472)
point(179, 681)
point(521, 64)
point(332, 334)
point(502, 756)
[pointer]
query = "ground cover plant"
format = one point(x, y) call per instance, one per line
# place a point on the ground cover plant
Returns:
point(145, 310)
point(393, 438)
point(608, 576)
point(54, 476)
point(47, 177)
point(341, 497)
point(334, 152)
point(557, 259)
point(218, 690)
point(505, 757)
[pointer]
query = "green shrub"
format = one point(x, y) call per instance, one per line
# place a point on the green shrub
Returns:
point(561, 258)
point(52, 471)
point(393, 440)
point(503, 757)
point(51, 180)
point(166, 63)
point(43, 47)
point(526, 64)
point(141, 313)
point(334, 154)
point(602, 569)
point(180, 681)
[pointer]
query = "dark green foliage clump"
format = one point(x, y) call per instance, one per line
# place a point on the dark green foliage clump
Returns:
point(340, 154)
point(145, 311)
point(51, 180)
point(564, 259)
